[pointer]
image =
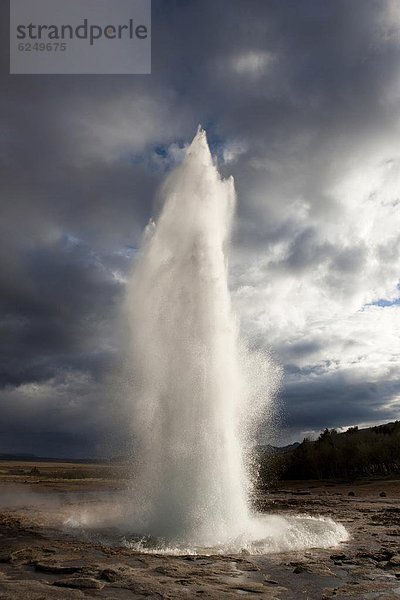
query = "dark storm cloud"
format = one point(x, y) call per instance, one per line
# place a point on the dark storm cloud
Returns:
point(54, 314)
point(291, 94)
point(340, 401)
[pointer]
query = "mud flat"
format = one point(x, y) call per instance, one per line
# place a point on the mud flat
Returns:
point(41, 558)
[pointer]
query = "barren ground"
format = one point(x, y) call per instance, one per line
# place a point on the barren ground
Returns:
point(40, 560)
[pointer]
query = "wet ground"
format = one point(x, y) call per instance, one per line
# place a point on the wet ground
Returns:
point(40, 559)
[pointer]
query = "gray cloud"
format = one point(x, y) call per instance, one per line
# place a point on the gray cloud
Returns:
point(301, 104)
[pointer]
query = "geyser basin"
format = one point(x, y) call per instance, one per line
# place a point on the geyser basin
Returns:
point(197, 392)
point(266, 534)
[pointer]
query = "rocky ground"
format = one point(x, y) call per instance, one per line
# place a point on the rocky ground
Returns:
point(40, 560)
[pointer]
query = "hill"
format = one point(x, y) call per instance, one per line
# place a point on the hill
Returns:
point(374, 451)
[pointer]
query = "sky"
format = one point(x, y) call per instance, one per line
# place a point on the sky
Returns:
point(301, 103)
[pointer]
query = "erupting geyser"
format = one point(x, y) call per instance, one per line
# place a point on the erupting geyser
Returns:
point(188, 374)
point(197, 392)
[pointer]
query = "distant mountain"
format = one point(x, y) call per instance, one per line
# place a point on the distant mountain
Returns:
point(268, 449)
point(34, 458)
point(18, 457)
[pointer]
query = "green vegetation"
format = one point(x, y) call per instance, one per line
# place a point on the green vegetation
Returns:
point(372, 452)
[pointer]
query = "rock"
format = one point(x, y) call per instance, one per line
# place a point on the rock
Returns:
point(49, 550)
point(110, 575)
point(140, 589)
point(383, 494)
point(394, 561)
point(37, 590)
point(271, 581)
point(299, 569)
point(5, 557)
point(351, 494)
point(248, 566)
point(23, 556)
point(337, 557)
point(166, 570)
point(255, 588)
point(86, 583)
point(184, 581)
point(380, 556)
point(56, 568)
